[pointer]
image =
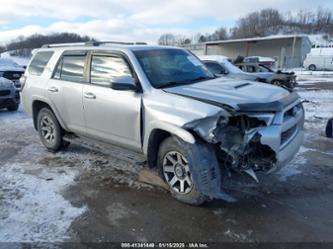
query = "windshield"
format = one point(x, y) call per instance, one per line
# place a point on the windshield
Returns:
point(231, 67)
point(171, 67)
point(265, 69)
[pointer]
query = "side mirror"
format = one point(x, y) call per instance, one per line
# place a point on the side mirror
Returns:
point(224, 71)
point(123, 83)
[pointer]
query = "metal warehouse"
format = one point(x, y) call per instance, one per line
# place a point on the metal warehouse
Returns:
point(288, 50)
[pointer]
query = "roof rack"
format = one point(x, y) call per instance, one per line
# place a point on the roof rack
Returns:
point(91, 43)
point(73, 44)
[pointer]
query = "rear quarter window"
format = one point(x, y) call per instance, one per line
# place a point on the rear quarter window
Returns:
point(39, 62)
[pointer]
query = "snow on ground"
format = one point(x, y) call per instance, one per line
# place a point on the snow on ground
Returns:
point(22, 61)
point(318, 105)
point(34, 209)
point(312, 77)
point(33, 182)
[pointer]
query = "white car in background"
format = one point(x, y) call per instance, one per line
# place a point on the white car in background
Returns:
point(315, 62)
point(11, 71)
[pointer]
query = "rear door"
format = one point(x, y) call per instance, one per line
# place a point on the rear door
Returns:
point(111, 115)
point(65, 89)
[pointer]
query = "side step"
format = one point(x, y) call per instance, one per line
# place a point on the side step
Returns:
point(107, 149)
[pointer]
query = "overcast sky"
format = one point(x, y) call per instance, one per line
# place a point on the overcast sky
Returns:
point(129, 20)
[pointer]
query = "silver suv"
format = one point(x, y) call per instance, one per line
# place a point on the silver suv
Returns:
point(164, 103)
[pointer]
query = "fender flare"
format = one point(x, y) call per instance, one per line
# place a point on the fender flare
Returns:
point(183, 134)
point(53, 109)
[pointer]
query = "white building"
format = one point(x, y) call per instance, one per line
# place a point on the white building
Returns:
point(288, 50)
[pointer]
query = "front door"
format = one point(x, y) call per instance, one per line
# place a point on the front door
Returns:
point(111, 115)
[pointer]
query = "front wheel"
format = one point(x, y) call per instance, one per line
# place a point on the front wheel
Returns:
point(174, 164)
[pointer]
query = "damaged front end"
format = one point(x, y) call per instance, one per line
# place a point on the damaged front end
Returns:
point(248, 142)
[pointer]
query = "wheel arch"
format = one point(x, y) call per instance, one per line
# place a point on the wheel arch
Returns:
point(158, 134)
point(37, 105)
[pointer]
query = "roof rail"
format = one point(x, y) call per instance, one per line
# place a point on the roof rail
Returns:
point(91, 43)
point(54, 45)
point(98, 43)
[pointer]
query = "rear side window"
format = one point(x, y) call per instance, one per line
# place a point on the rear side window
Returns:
point(71, 68)
point(105, 68)
point(39, 62)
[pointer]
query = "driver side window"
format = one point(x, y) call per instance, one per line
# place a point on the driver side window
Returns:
point(105, 68)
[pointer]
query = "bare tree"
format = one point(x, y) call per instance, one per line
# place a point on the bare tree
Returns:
point(167, 40)
point(259, 23)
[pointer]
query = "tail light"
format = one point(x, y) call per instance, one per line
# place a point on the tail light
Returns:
point(23, 79)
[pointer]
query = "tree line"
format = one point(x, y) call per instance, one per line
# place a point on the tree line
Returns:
point(23, 45)
point(263, 23)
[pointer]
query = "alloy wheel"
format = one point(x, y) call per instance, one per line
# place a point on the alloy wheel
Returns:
point(48, 129)
point(177, 173)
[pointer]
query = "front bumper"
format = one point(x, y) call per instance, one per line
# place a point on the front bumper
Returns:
point(285, 137)
point(11, 99)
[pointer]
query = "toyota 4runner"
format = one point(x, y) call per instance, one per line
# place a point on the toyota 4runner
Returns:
point(164, 103)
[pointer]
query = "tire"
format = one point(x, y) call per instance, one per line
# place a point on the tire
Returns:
point(312, 67)
point(173, 163)
point(329, 128)
point(49, 130)
point(13, 107)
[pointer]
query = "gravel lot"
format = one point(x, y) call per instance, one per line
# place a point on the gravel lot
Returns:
point(82, 195)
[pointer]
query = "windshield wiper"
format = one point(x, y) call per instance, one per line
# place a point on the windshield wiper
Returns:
point(201, 78)
point(184, 82)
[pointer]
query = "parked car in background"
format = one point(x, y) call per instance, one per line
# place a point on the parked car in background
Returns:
point(9, 95)
point(315, 62)
point(162, 102)
point(267, 61)
point(221, 66)
point(11, 71)
point(278, 78)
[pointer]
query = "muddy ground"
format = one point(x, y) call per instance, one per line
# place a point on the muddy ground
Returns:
point(84, 195)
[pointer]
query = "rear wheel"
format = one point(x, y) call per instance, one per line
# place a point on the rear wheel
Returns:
point(49, 130)
point(174, 164)
point(312, 67)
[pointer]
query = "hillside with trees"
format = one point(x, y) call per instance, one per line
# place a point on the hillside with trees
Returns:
point(22, 46)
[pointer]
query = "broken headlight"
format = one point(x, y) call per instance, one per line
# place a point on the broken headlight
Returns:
point(267, 117)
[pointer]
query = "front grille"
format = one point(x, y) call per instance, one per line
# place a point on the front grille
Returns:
point(4, 93)
point(286, 135)
point(12, 75)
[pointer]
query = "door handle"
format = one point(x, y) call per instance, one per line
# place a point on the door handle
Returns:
point(53, 89)
point(89, 96)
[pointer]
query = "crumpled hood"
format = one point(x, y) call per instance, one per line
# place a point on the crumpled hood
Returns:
point(235, 93)
point(5, 83)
